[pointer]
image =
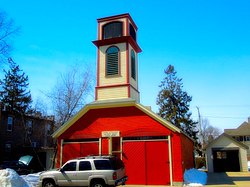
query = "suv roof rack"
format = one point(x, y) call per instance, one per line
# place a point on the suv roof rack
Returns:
point(96, 156)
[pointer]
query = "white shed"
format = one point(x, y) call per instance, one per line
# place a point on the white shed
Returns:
point(226, 154)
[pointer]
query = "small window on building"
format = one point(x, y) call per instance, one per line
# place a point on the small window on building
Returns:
point(29, 126)
point(33, 144)
point(133, 66)
point(241, 138)
point(10, 123)
point(112, 61)
point(221, 155)
point(84, 166)
point(48, 129)
point(132, 32)
point(112, 30)
point(247, 138)
point(7, 147)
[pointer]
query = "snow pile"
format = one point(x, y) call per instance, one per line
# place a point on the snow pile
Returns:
point(194, 177)
point(31, 179)
point(9, 178)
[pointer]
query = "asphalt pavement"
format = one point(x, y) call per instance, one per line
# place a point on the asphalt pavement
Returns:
point(228, 179)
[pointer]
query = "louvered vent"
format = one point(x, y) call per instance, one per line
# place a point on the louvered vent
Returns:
point(112, 61)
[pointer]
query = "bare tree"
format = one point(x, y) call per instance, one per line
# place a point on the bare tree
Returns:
point(7, 31)
point(40, 106)
point(208, 132)
point(71, 92)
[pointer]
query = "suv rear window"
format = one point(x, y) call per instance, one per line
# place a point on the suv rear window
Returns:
point(102, 164)
point(112, 163)
point(117, 163)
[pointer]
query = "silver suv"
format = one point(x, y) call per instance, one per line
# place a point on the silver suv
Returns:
point(92, 171)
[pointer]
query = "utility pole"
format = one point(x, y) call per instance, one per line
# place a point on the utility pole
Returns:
point(200, 130)
point(199, 117)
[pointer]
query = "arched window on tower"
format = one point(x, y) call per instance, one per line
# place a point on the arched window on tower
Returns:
point(133, 66)
point(112, 30)
point(112, 61)
point(132, 32)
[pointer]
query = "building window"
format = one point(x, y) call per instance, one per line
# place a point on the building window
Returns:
point(48, 129)
point(29, 125)
point(133, 67)
point(112, 30)
point(241, 138)
point(247, 138)
point(7, 147)
point(10, 123)
point(33, 144)
point(221, 155)
point(112, 61)
point(132, 32)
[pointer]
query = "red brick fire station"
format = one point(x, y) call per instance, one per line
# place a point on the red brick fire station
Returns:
point(155, 152)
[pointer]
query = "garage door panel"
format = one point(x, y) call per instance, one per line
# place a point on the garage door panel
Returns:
point(79, 149)
point(147, 162)
point(134, 160)
point(105, 146)
point(90, 148)
point(157, 163)
point(70, 151)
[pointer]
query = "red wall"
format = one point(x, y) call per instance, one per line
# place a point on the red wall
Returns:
point(130, 121)
point(187, 150)
point(177, 158)
point(147, 162)
point(182, 152)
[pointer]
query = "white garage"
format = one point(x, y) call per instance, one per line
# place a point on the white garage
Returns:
point(226, 154)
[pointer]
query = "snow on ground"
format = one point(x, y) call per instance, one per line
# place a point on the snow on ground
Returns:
point(10, 178)
point(31, 179)
point(194, 177)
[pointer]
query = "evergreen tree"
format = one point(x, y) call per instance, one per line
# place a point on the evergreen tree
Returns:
point(15, 94)
point(174, 103)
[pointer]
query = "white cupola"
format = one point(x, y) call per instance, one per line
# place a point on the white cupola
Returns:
point(117, 58)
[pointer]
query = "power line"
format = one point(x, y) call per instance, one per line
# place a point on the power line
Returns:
point(222, 106)
point(222, 117)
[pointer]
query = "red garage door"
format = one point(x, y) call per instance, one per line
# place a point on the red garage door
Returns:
point(89, 148)
point(70, 151)
point(147, 162)
point(79, 149)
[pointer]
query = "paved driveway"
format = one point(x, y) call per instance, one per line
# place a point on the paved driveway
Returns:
point(229, 179)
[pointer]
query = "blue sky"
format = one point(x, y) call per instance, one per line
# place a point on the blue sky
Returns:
point(208, 42)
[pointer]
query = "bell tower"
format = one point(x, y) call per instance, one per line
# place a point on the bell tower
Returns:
point(117, 58)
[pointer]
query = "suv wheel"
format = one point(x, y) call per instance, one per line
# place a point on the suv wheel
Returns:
point(49, 183)
point(98, 183)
